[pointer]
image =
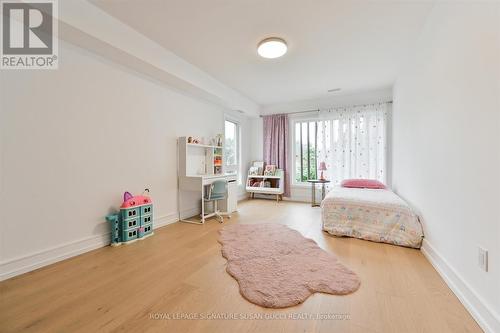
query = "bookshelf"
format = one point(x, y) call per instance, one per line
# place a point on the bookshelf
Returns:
point(256, 184)
point(199, 159)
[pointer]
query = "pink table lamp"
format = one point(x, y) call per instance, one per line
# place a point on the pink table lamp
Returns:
point(322, 167)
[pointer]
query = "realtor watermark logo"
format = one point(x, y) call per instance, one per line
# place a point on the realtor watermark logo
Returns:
point(28, 34)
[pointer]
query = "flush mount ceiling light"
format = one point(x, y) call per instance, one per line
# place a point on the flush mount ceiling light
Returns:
point(273, 47)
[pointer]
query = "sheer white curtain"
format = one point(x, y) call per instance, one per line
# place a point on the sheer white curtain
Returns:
point(352, 142)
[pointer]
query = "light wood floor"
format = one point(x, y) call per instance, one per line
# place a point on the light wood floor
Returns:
point(180, 271)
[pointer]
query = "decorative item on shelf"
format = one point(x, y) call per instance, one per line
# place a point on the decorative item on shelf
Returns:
point(134, 221)
point(270, 170)
point(253, 171)
point(260, 167)
point(190, 139)
point(218, 139)
point(217, 156)
point(322, 167)
point(256, 184)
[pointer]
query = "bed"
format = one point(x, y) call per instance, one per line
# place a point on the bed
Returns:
point(373, 214)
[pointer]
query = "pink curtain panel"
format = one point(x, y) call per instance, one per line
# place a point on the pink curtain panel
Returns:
point(276, 145)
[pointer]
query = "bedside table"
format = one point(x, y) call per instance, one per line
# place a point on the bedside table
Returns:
point(313, 190)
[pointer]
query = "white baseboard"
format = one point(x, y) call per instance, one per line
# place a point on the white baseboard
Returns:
point(483, 313)
point(187, 213)
point(28, 263)
point(49, 256)
point(165, 220)
point(293, 198)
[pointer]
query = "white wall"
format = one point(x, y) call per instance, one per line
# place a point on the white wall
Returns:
point(246, 146)
point(74, 139)
point(446, 148)
point(84, 24)
point(257, 133)
point(330, 100)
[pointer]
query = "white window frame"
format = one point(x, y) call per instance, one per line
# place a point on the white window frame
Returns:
point(294, 121)
point(237, 167)
point(332, 118)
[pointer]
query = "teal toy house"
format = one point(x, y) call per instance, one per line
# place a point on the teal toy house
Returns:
point(134, 221)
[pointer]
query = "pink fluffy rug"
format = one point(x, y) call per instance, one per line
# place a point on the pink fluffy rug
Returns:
point(277, 267)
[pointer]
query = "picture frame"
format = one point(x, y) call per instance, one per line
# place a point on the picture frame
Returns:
point(270, 170)
point(260, 166)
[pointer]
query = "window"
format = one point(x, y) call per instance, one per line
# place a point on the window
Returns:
point(231, 147)
point(349, 142)
point(308, 138)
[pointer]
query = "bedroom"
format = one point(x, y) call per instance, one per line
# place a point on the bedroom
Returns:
point(179, 97)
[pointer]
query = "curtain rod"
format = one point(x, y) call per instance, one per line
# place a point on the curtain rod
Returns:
point(317, 110)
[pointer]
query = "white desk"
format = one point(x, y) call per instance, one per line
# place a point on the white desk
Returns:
point(200, 165)
point(191, 193)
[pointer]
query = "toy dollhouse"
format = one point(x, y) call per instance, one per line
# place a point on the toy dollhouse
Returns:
point(134, 221)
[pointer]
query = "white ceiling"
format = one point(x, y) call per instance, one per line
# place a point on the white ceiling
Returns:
point(354, 45)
